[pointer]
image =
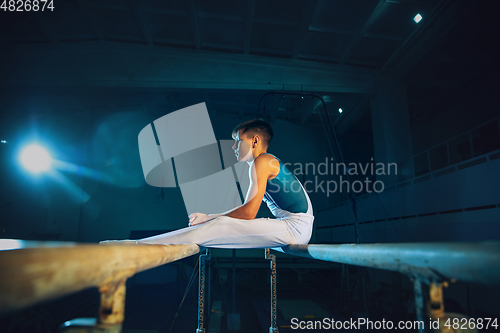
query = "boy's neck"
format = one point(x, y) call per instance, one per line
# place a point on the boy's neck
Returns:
point(257, 154)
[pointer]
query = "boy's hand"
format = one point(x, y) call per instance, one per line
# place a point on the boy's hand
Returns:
point(198, 218)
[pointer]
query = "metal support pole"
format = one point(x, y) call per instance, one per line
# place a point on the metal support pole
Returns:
point(419, 303)
point(234, 281)
point(201, 291)
point(233, 318)
point(272, 257)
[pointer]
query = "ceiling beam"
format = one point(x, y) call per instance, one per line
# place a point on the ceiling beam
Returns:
point(331, 30)
point(220, 17)
point(225, 47)
point(173, 42)
point(249, 13)
point(84, 10)
point(375, 12)
point(316, 57)
point(304, 27)
point(274, 53)
point(45, 28)
point(133, 65)
point(125, 38)
point(137, 12)
point(285, 23)
point(163, 11)
point(444, 16)
point(194, 24)
point(109, 6)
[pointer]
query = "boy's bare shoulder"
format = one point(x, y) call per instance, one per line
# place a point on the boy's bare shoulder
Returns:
point(263, 158)
point(269, 163)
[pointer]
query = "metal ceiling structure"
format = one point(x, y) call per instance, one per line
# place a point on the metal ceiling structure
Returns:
point(162, 55)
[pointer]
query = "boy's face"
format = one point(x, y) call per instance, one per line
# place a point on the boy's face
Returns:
point(242, 147)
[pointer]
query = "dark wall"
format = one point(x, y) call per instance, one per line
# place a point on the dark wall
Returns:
point(96, 189)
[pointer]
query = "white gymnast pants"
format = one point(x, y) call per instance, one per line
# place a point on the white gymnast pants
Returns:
point(231, 233)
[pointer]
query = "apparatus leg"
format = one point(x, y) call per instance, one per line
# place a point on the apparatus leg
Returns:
point(111, 312)
point(272, 258)
point(445, 321)
point(201, 291)
point(419, 302)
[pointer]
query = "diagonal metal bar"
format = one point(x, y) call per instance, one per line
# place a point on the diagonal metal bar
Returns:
point(310, 110)
point(194, 24)
point(304, 27)
point(376, 11)
point(248, 25)
point(443, 17)
point(137, 11)
point(241, 108)
point(45, 28)
point(84, 10)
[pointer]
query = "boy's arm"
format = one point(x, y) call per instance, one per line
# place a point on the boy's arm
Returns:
point(259, 174)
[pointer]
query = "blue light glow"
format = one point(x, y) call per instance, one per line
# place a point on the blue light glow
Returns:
point(4, 141)
point(417, 18)
point(340, 110)
point(35, 158)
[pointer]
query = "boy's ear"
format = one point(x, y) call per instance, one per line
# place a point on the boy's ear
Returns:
point(256, 140)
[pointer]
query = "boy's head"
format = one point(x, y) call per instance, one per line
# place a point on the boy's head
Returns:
point(256, 127)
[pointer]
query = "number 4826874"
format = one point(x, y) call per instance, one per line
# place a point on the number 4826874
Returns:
point(471, 323)
point(27, 5)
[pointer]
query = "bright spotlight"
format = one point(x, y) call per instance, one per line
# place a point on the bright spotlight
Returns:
point(4, 141)
point(340, 110)
point(417, 18)
point(35, 158)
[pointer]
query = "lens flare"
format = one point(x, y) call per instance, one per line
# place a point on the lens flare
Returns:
point(35, 158)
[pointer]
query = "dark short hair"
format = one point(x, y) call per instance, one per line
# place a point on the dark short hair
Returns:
point(256, 126)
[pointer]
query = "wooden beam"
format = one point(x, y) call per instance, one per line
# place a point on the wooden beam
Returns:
point(33, 272)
